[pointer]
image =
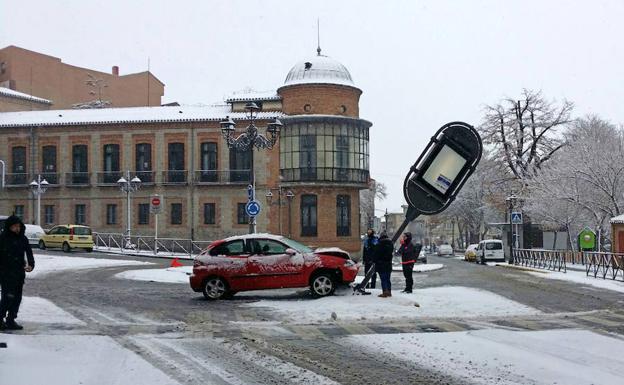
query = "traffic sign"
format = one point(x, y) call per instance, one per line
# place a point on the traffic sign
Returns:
point(252, 208)
point(516, 218)
point(156, 204)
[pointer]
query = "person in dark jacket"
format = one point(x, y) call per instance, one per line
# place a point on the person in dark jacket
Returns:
point(368, 255)
point(383, 264)
point(409, 254)
point(13, 246)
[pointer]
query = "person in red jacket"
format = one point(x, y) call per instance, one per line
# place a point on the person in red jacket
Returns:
point(408, 253)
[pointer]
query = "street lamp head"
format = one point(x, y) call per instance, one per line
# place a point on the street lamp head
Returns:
point(251, 107)
point(290, 195)
point(275, 127)
point(269, 196)
point(34, 185)
point(227, 126)
point(122, 182)
point(135, 183)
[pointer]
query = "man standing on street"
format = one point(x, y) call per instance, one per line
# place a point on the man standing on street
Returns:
point(409, 254)
point(13, 246)
point(368, 255)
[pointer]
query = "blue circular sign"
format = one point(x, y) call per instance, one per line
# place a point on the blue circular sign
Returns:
point(252, 208)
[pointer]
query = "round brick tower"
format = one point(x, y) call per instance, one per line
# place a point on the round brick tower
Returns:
point(324, 153)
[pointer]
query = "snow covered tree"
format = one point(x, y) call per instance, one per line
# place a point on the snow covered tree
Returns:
point(376, 190)
point(524, 133)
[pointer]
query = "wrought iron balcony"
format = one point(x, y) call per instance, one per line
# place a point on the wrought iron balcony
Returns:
point(175, 177)
point(207, 177)
point(78, 179)
point(325, 174)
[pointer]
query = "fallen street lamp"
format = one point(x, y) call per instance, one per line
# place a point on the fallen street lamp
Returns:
point(247, 141)
point(38, 188)
point(128, 186)
point(281, 192)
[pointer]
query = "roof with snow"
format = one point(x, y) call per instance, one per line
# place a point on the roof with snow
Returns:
point(618, 220)
point(125, 115)
point(250, 95)
point(20, 95)
point(319, 69)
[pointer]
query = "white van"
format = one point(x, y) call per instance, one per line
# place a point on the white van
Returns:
point(490, 250)
point(34, 234)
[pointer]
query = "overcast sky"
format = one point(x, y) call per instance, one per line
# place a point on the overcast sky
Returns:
point(420, 64)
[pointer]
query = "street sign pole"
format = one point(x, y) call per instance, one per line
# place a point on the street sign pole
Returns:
point(155, 234)
point(156, 208)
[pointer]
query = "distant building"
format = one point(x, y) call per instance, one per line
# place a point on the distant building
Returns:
point(64, 85)
point(11, 100)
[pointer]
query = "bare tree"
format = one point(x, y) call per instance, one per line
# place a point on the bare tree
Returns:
point(524, 133)
point(376, 190)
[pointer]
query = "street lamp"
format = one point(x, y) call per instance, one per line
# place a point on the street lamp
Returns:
point(511, 201)
point(289, 197)
point(128, 186)
point(247, 141)
point(38, 187)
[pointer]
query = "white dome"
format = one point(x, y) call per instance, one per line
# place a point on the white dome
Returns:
point(319, 69)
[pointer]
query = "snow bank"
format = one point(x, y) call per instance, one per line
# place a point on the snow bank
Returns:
point(581, 277)
point(421, 268)
point(72, 359)
point(169, 275)
point(46, 264)
point(442, 302)
point(39, 310)
point(573, 357)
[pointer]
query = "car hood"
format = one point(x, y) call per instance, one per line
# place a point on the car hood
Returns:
point(333, 251)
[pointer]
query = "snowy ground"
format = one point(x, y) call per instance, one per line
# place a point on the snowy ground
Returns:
point(563, 357)
point(421, 268)
point(48, 263)
point(40, 310)
point(438, 302)
point(169, 275)
point(46, 359)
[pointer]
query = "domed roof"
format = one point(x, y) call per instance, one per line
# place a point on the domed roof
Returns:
point(319, 69)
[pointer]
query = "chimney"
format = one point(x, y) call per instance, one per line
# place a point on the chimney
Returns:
point(116, 70)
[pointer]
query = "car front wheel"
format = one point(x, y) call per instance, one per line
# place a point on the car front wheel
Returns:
point(42, 245)
point(322, 285)
point(215, 288)
point(66, 247)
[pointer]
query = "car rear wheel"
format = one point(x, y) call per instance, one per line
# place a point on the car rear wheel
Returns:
point(42, 245)
point(215, 288)
point(322, 285)
point(66, 247)
point(89, 249)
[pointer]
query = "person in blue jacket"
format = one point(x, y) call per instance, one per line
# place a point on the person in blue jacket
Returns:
point(368, 255)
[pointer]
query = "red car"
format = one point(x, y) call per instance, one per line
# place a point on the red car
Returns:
point(265, 261)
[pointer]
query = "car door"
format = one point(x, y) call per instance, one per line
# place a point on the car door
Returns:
point(489, 250)
point(230, 260)
point(272, 266)
point(50, 239)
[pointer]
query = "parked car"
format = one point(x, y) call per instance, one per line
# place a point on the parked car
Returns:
point(68, 237)
point(445, 250)
point(266, 261)
point(470, 254)
point(422, 256)
point(490, 250)
point(34, 234)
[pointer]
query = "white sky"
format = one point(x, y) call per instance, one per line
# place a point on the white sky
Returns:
point(420, 63)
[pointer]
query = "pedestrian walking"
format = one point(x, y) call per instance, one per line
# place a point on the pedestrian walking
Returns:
point(368, 255)
point(383, 264)
point(13, 246)
point(409, 254)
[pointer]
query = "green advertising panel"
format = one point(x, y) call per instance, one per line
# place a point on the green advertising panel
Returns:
point(587, 239)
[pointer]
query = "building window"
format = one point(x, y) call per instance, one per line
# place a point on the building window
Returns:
point(80, 214)
point(342, 157)
point(143, 214)
point(308, 216)
point(343, 215)
point(18, 167)
point(144, 162)
point(307, 108)
point(80, 166)
point(241, 215)
point(209, 213)
point(18, 211)
point(111, 163)
point(176, 213)
point(208, 162)
point(240, 165)
point(48, 214)
point(111, 214)
point(176, 163)
point(49, 164)
point(307, 157)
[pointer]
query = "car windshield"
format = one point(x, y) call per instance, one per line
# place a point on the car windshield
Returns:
point(296, 245)
point(82, 231)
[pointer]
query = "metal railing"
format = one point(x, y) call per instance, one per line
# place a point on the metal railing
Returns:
point(17, 179)
point(541, 259)
point(325, 174)
point(148, 245)
point(206, 177)
point(77, 178)
point(605, 265)
point(108, 178)
point(175, 177)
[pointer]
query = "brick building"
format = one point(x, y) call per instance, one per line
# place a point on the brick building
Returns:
point(64, 85)
point(11, 100)
point(322, 158)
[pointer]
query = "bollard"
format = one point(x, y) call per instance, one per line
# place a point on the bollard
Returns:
point(3, 344)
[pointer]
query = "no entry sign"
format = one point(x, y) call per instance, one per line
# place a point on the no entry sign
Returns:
point(156, 204)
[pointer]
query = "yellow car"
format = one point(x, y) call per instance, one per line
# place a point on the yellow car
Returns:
point(471, 253)
point(68, 237)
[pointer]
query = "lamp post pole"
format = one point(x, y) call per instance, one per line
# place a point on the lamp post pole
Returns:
point(38, 188)
point(128, 186)
point(249, 140)
point(510, 203)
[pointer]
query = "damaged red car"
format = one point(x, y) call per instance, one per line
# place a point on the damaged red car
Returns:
point(266, 261)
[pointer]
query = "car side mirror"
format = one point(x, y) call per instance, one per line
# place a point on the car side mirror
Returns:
point(291, 252)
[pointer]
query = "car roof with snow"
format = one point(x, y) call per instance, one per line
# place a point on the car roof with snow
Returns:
point(254, 236)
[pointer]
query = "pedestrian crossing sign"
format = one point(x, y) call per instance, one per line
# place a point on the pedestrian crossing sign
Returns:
point(516, 218)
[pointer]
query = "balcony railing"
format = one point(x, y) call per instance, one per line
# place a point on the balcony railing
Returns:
point(325, 174)
point(175, 177)
point(147, 177)
point(108, 178)
point(17, 180)
point(206, 177)
point(78, 179)
point(52, 178)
